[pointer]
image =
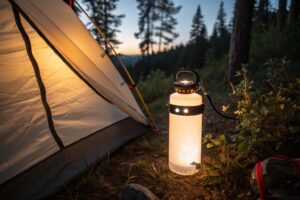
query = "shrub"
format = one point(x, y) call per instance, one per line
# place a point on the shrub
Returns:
point(155, 86)
point(156, 89)
point(272, 43)
point(267, 125)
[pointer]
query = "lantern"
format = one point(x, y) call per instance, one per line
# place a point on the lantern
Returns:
point(185, 124)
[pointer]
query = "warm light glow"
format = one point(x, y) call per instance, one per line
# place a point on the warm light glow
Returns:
point(186, 81)
point(185, 133)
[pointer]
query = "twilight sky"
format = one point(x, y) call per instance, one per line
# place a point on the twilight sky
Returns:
point(129, 23)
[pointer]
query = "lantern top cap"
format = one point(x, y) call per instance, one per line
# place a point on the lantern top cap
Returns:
point(186, 80)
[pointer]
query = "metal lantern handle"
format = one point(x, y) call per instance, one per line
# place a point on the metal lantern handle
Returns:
point(187, 71)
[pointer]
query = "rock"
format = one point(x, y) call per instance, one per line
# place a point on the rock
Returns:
point(136, 192)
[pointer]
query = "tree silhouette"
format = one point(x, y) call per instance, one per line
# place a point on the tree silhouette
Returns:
point(165, 31)
point(101, 13)
point(221, 21)
point(198, 26)
point(294, 11)
point(147, 17)
point(219, 41)
point(262, 13)
point(198, 41)
point(281, 14)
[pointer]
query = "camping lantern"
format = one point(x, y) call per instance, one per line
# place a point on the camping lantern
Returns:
point(185, 124)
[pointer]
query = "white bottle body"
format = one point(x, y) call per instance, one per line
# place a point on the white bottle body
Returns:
point(185, 135)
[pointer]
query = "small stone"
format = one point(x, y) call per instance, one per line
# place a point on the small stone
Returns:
point(136, 192)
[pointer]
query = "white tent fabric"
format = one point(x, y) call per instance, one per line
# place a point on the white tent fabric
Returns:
point(67, 33)
point(77, 111)
point(24, 134)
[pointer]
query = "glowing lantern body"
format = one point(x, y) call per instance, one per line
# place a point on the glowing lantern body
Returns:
point(185, 127)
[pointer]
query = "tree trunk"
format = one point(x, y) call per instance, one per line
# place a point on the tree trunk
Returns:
point(148, 36)
point(294, 11)
point(160, 34)
point(281, 14)
point(95, 18)
point(263, 11)
point(106, 27)
point(240, 37)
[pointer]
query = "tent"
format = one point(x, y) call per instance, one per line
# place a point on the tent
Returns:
point(63, 104)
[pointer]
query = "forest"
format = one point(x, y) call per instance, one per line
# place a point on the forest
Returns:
point(250, 65)
point(270, 31)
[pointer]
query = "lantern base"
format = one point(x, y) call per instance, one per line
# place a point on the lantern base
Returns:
point(183, 170)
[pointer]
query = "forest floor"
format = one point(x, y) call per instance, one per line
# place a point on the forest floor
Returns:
point(145, 161)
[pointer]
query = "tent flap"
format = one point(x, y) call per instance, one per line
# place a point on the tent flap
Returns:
point(50, 175)
point(73, 41)
point(61, 102)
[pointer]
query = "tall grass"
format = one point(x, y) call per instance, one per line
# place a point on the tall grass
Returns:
point(156, 88)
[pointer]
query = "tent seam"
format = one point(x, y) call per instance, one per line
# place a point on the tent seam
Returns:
point(56, 51)
point(70, 65)
point(93, 63)
point(38, 77)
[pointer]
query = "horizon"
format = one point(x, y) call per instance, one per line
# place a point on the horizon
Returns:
point(130, 45)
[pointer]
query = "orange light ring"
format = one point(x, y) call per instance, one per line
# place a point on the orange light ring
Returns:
point(185, 91)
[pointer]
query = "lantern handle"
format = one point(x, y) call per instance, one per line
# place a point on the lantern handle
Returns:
point(178, 72)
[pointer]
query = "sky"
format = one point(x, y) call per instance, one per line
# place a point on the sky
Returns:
point(130, 22)
point(209, 8)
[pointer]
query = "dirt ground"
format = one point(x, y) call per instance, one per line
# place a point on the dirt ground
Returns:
point(145, 161)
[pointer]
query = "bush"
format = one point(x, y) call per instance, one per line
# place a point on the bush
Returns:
point(267, 125)
point(213, 77)
point(272, 43)
point(156, 89)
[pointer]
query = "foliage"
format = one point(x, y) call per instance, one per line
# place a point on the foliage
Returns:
point(272, 43)
point(219, 41)
point(167, 61)
point(198, 26)
point(151, 13)
point(194, 53)
point(156, 89)
point(147, 16)
point(101, 13)
point(155, 85)
point(267, 125)
point(262, 12)
point(213, 77)
point(165, 31)
point(198, 41)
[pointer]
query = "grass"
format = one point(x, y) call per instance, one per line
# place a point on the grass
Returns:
point(143, 161)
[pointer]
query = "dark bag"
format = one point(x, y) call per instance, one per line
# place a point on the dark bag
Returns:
point(277, 177)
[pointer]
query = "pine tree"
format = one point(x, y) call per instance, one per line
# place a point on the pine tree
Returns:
point(198, 26)
point(198, 41)
point(101, 13)
point(214, 34)
point(165, 32)
point(147, 16)
point(262, 12)
point(219, 41)
point(221, 21)
point(294, 11)
point(281, 14)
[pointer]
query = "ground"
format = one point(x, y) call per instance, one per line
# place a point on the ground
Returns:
point(145, 161)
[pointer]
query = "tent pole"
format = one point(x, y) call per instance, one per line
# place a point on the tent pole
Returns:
point(154, 125)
